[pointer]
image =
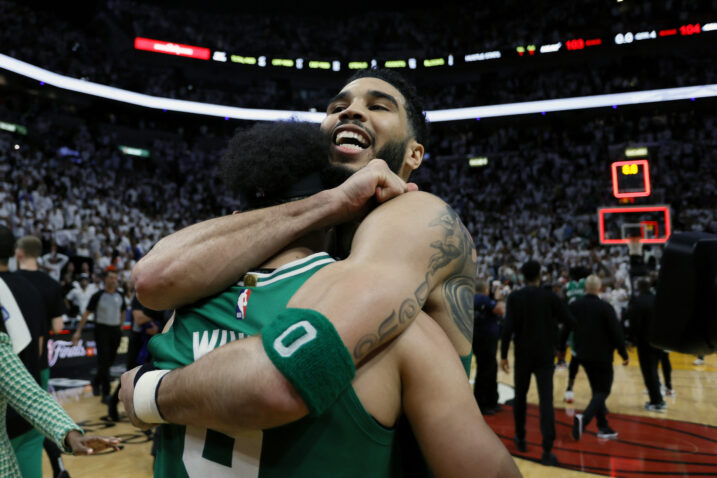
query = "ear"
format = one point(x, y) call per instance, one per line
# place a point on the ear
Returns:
point(413, 158)
point(19, 255)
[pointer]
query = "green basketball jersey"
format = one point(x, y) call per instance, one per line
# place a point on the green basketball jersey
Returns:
point(344, 441)
point(575, 290)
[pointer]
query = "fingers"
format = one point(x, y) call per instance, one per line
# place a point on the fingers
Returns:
point(99, 443)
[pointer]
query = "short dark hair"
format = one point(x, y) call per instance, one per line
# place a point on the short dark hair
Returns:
point(7, 244)
point(414, 105)
point(271, 163)
point(531, 271)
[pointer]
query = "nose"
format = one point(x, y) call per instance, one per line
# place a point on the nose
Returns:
point(354, 111)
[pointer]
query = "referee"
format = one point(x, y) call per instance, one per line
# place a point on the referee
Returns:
point(532, 316)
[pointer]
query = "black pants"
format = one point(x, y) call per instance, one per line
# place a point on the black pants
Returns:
point(485, 389)
point(648, 357)
point(133, 348)
point(600, 375)
point(666, 368)
point(544, 377)
point(107, 339)
point(573, 371)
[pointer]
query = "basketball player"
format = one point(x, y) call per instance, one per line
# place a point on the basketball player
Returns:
point(370, 114)
point(417, 373)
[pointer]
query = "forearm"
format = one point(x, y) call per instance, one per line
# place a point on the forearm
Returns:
point(205, 258)
point(234, 387)
point(83, 321)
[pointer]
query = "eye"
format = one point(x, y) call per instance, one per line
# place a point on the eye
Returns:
point(335, 109)
point(378, 107)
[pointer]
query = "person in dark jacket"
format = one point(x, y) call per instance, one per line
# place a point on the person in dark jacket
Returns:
point(487, 313)
point(532, 317)
point(640, 313)
point(597, 334)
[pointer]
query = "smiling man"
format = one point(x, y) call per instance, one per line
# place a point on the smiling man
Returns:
point(414, 246)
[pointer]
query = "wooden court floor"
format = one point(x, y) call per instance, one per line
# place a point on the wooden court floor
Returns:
point(695, 403)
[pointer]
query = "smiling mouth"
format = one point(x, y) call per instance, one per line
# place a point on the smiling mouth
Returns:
point(351, 140)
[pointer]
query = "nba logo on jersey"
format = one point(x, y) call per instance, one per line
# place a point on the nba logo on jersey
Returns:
point(242, 301)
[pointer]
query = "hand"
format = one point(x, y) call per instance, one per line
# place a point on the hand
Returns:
point(126, 395)
point(373, 180)
point(152, 328)
point(76, 337)
point(505, 366)
point(88, 445)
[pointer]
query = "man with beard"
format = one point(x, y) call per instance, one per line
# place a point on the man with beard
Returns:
point(418, 249)
point(417, 374)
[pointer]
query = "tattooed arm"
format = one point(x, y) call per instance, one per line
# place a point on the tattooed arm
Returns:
point(408, 253)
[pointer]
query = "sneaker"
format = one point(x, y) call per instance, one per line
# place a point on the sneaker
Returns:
point(659, 407)
point(549, 459)
point(607, 432)
point(569, 396)
point(577, 426)
point(520, 444)
point(698, 361)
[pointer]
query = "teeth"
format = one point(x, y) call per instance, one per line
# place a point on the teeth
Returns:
point(352, 146)
point(350, 135)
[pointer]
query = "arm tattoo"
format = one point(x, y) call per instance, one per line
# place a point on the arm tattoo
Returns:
point(458, 292)
point(367, 343)
point(455, 250)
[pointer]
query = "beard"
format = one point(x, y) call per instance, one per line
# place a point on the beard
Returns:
point(392, 152)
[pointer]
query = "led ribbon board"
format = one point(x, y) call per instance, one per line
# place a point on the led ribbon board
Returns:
point(616, 225)
point(631, 179)
point(169, 48)
point(454, 114)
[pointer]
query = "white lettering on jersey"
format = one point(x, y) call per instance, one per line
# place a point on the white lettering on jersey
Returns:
point(204, 343)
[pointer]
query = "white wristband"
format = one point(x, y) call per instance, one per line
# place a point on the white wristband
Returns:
point(145, 396)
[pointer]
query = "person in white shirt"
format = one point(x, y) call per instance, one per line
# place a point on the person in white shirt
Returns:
point(53, 262)
point(81, 293)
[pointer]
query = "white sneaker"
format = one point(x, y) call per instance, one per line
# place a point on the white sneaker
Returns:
point(569, 396)
point(698, 361)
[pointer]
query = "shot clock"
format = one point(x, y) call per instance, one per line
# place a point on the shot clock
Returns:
point(631, 179)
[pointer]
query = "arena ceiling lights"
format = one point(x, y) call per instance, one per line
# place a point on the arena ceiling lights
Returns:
point(511, 109)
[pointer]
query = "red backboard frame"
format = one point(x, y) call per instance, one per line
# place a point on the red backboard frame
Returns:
point(645, 176)
point(636, 209)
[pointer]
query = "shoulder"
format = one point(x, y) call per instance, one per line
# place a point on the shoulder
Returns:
point(415, 222)
point(410, 208)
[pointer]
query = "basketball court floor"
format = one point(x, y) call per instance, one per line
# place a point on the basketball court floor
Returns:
point(680, 442)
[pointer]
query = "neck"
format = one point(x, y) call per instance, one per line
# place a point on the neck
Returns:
point(28, 264)
point(303, 247)
point(534, 283)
